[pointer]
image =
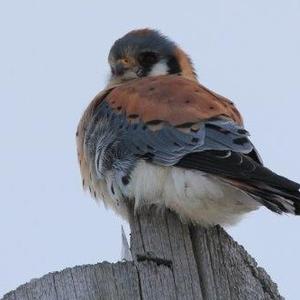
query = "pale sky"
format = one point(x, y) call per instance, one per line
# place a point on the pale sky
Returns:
point(53, 60)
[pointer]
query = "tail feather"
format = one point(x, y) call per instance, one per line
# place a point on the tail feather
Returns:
point(246, 172)
point(279, 199)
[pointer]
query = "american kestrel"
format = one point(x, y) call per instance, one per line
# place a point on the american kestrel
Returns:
point(156, 136)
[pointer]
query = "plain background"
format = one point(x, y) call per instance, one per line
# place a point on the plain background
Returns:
point(53, 60)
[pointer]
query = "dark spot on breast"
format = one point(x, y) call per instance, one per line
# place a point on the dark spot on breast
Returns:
point(82, 182)
point(125, 180)
point(95, 195)
point(151, 88)
point(195, 140)
point(112, 189)
point(187, 101)
point(119, 107)
point(77, 133)
point(90, 189)
point(241, 141)
point(211, 107)
point(144, 127)
point(121, 126)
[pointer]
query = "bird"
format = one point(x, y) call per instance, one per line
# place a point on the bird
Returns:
point(155, 136)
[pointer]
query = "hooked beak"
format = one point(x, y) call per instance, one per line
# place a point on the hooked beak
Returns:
point(121, 67)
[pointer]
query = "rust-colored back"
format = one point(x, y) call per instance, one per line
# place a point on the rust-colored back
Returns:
point(171, 99)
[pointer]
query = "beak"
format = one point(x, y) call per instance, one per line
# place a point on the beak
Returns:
point(120, 69)
point(122, 66)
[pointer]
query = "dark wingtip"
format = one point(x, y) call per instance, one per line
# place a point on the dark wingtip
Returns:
point(297, 205)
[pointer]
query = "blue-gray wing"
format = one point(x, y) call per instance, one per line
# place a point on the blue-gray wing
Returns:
point(166, 145)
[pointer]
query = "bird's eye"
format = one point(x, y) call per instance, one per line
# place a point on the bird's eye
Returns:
point(148, 58)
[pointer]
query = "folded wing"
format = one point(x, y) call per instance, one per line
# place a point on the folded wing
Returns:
point(172, 121)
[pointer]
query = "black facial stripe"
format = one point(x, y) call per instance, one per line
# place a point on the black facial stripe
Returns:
point(146, 70)
point(148, 58)
point(173, 65)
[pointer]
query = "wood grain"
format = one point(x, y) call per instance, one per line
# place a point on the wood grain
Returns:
point(171, 260)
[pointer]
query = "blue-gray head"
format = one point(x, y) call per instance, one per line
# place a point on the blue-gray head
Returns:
point(147, 52)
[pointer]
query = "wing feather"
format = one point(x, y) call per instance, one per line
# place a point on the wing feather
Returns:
point(172, 121)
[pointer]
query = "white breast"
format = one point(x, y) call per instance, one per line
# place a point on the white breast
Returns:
point(195, 196)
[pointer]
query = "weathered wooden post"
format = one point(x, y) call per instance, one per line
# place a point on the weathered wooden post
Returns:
point(171, 260)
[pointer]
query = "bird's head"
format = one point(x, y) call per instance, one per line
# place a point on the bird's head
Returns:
point(146, 52)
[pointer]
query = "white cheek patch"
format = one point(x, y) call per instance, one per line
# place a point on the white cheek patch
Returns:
point(159, 68)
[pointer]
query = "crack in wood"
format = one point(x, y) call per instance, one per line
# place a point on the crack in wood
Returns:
point(149, 257)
